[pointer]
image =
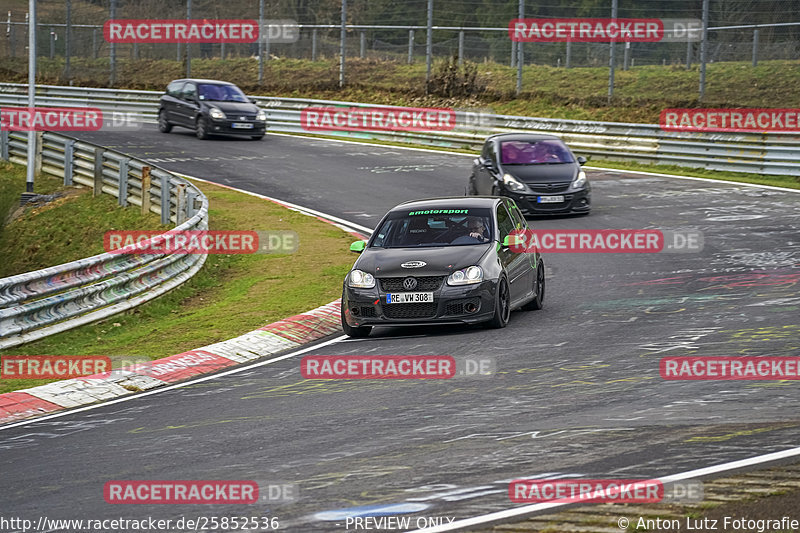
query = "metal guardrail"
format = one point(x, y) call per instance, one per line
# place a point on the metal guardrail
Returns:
point(36, 304)
point(774, 153)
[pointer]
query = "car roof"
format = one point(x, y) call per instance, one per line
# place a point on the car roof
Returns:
point(200, 80)
point(521, 136)
point(449, 202)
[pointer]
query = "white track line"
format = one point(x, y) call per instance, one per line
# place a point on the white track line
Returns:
point(520, 512)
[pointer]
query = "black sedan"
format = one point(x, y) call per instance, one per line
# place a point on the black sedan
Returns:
point(539, 172)
point(443, 261)
point(210, 107)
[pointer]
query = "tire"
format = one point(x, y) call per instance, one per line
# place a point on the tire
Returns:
point(357, 332)
point(502, 306)
point(163, 124)
point(256, 137)
point(471, 190)
point(201, 128)
point(538, 302)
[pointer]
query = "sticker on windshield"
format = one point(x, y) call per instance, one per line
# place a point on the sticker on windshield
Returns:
point(440, 212)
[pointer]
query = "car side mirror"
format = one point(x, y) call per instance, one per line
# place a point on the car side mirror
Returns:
point(512, 240)
point(252, 100)
point(358, 246)
point(582, 160)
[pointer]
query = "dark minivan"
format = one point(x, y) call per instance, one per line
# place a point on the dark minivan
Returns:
point(210, 107)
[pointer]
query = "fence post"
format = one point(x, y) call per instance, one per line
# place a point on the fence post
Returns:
point(13, 41)
point(4, 145)
point(460, 48)
point(222, 50)
point(180, 205)
point(363, 44)
point(568, 63)
point(165, 197)
point(755, 47)
point(314, 44)
point(52, 42)
point(123, 183)
point(69, 161)
point(626, 55)
point(145, 190)
point(94, 43)
point(410, 46)
point(97, 183)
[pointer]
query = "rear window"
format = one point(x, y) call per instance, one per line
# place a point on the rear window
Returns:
point(434, 227)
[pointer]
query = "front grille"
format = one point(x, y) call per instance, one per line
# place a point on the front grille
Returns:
point(456, 307)
point(549, 188)
point(424, 283)
point(368, 312)
point(421, 310)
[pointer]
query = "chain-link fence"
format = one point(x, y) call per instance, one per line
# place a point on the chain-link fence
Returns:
point(473, 30)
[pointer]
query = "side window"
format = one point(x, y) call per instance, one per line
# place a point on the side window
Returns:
point(504, 222)
point(189, 92)
point(519, 218)
point(488, 152)
point(174, 88)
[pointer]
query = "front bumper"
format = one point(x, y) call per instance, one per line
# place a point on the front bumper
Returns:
point(575, 202)
point(226, 126)
point(465, 304)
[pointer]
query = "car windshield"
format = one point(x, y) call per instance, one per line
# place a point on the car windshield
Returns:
point(221, 93)
point(434, 227)
point(550, 151)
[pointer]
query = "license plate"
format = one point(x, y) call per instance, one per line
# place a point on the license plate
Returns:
point(409, 298)
point(550, 199)
point(242, 126)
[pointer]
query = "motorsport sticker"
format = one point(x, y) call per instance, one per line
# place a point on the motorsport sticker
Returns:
point(377, 119)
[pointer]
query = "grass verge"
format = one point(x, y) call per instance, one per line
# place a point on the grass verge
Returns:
point(232, 294)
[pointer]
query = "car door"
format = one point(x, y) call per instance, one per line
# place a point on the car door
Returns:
point(188, 106)
point(522, 228)
point(483, 169)
point(517, 265)
point(171, 100)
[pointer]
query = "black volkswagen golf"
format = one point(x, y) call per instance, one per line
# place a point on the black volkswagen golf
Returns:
point(210, 107)
point(443, 261)
point(538, 171)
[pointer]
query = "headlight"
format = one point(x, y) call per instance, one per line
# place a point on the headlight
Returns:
point(262, 115)
point(361, 279)
point(466, 276)
point(512, 183)
point(580, 181)
point(216, 114)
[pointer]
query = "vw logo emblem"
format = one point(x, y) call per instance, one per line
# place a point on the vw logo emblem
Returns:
point(410, 284)
point(414, 264)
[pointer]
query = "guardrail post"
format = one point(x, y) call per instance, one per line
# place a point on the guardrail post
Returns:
point(69, 160)
point(165, 191)
point(37, 158)
point(191, 197)
point(123, 183)
point(4, 145)
point(180, 204)
point(97, 183)
point(145, 190)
